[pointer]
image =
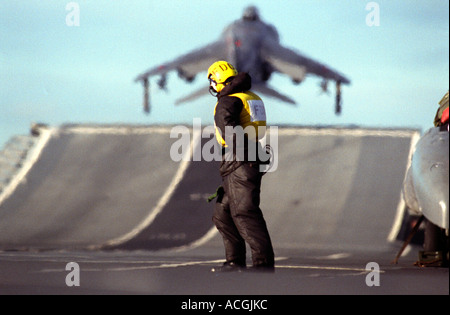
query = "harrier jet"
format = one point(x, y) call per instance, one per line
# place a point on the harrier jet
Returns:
point(426, 188)
point(251, 46)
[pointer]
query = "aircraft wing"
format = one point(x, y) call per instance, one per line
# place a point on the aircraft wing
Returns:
point(187, 66)
point(264, 89)
point(196, 94)
point(296, 65)
point(190, 64)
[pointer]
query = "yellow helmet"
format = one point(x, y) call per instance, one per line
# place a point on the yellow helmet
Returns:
point(219, 73)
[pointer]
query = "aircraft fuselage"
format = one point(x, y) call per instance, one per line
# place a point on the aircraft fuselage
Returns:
point(244, 40)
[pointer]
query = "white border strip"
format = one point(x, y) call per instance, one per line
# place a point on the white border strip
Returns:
point(34, 154)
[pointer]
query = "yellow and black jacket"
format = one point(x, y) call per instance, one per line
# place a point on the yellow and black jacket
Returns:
point(238, 106)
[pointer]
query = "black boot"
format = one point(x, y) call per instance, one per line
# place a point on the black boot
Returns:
point(230, 266)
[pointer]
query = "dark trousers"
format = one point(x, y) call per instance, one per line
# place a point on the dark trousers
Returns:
point(239, 219)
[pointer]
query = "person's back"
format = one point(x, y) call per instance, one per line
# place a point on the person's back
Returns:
point(243, 112)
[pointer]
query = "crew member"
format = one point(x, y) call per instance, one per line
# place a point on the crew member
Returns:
point(237, 214)
point(441, 119)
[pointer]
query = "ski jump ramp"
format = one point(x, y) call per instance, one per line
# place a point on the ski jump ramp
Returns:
point(117, 187)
